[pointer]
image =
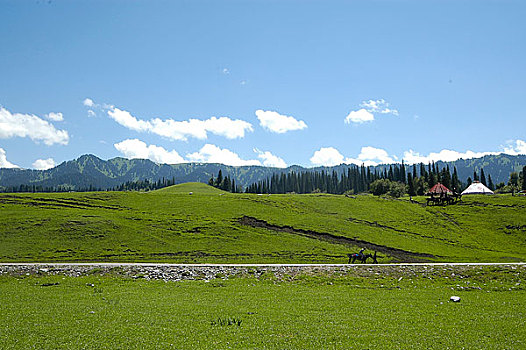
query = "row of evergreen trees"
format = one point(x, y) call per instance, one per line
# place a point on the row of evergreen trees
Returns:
point(359, 179)
point(144, 185)
point(356, 179)
point(40, 188)
point(139, 185)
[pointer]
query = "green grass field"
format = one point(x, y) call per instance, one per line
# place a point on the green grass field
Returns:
point(171, 225)
point(361, 309)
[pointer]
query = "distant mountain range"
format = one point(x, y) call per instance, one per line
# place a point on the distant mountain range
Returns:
point(91, 171)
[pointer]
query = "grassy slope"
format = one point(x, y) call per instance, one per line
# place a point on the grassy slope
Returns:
point(305, 312)
point(171, 225)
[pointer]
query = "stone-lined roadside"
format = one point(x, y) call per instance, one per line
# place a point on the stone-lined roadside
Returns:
point(209, 272)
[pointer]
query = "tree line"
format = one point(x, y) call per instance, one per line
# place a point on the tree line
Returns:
point(393, 180)
point(137, 185)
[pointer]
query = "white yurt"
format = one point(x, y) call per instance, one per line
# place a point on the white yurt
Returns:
point(477, 188)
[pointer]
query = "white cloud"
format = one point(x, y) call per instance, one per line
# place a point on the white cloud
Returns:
point(515, 147)
point(223, 126)
point(4, 163)
point(91, 113)
point(370, 156)
point(270, 159)
point(182, 130)
point(446, 155)
point(44, 164)
point(275, 122)
point(127, 120)
point(56, 117)
point(327, 156)
point(225, 71)
point(378, 106)
point(134, 148)
point(88, 102)
point(512, 148)
point(28, 125)
point(213, 154)
point(367, 111)
point(360, 116)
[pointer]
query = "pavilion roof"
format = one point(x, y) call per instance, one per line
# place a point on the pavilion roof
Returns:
point(439, 189)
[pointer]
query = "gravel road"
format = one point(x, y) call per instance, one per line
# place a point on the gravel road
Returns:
point(178, 272)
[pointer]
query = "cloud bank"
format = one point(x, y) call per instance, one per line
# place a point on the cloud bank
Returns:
point(212, 154)
point(371, 156)
point(178, 130)
point(134, 148)
point(29, 125)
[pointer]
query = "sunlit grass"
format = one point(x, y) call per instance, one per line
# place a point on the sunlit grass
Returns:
point(173, 225)
point(303, 312)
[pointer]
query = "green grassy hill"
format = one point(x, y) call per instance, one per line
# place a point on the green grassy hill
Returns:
point(191, 187)
point(212, 226)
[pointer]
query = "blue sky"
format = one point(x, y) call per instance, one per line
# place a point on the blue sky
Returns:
point(261, 82)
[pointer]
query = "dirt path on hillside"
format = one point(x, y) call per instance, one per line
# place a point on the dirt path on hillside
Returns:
point(399, 254)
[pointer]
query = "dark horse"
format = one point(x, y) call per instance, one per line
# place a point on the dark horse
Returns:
point(362, 258)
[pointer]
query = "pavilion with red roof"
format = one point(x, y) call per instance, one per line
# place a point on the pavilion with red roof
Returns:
point(439, 189)
point(441, 195)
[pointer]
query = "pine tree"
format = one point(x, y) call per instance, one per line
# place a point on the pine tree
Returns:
point(523, 187)
point(475, 176)
point(444, 177)
point(432, 180)
point(424, 173)
point(455, 183)
point(219, 179)
point(410, 185)
point(491, 186)
point(482, 177)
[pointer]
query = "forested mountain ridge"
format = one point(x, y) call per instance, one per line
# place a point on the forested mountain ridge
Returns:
point(89, 171)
